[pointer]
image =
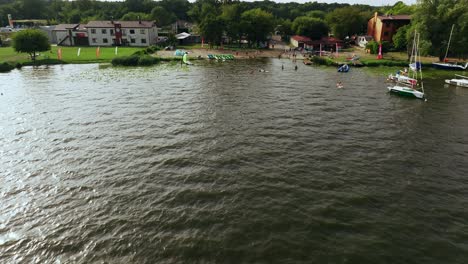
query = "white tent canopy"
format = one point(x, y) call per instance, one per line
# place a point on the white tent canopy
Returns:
point(182, 35)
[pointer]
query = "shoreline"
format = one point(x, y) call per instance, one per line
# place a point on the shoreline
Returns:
point(367, 61)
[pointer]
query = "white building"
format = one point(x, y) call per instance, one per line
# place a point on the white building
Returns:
point(125, 33)
point(363, 40)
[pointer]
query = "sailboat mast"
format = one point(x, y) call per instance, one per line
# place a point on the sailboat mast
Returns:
point(418, 58)
point(448, 45)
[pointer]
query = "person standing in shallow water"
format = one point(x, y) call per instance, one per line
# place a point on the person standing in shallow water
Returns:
point(295, 67)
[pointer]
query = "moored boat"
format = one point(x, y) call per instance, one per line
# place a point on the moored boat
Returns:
point(343, 68)
point(406, 91)
point(407, 86)
point(463, 82)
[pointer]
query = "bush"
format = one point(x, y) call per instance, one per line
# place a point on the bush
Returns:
point(147, 60)
point(373, 46)
point(152, 49)
point(126, 61)
point(322, 61)
point(6, 67)
point(134, 60)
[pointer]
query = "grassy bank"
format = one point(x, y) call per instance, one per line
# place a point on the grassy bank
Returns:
point(69, 54)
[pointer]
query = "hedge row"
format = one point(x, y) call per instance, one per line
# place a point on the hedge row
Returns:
point(147, 51)
point(135, 60)
point(8, 66)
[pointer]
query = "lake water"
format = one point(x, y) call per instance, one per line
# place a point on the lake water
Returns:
point(221, 163)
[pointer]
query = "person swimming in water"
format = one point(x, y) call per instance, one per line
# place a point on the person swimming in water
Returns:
point(339, 85)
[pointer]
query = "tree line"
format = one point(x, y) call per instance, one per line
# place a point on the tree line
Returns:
point(255, 21)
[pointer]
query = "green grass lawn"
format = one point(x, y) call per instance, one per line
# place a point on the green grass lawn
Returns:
point(70, 54)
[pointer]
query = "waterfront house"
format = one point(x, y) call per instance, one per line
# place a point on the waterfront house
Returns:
point(300, 41)
point(122, 33)
point(382, 28)
point(327, 43)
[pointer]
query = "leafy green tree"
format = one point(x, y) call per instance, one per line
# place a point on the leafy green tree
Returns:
point(400, 8)
point(162, 16)
point(316, 14)
point(434, 19)
point(347, 21)
point(133, 16)
point(400, 40)
point(231, 15)
point(311, 27)
point(177, 7)
point(257, 25)
point(284, 27)
point(211, 28)
point(30, 41)
point(32, 8)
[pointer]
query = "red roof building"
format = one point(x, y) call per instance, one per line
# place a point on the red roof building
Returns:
point(382, 28)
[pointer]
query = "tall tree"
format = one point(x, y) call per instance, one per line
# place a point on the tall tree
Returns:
point(434, 19)
point(346, 21)
point(257, 25)
point(162, 16)
point(211, 28)
point(311, 27)
point(30, 41)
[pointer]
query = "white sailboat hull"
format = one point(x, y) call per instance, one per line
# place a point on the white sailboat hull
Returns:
point(458, 82)
point(406, 91)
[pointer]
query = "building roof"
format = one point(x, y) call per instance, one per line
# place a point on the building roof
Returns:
point(63, 27)
point(301, 38)
point(325, 41)
point(124, 24)
point(396, 17)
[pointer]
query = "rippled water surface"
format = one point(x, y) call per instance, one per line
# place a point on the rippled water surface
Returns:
point(221, 163)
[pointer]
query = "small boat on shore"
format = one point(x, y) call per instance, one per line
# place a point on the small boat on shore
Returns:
point(463, 82)
point(343, 68)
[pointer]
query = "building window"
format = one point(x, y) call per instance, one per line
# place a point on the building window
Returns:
point(132, 31)
point(385, 33)
point(132, 40)
point(94, 40)
point(93, 31)
point(104, 40)
point(143, 41)
point(142, 31)
point(111, 32)
point(387, 24)
point(104, 31)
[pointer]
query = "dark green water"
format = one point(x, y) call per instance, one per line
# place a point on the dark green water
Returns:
point(221, 163)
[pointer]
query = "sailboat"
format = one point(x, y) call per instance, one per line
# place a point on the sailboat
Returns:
point(445, 64)
point(410, 88)
point(463, 82)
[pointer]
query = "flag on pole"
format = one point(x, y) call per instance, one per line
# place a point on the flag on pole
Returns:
point(78, 53)
point(59, 53)
point(116, 50)
point(380, 52)
point(98, 52)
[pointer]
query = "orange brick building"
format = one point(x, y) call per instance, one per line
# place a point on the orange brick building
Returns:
point(382, 28)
